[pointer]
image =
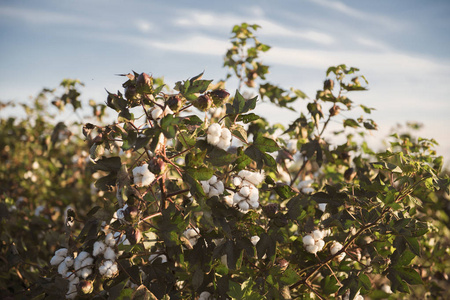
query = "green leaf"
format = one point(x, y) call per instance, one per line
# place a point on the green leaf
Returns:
point(351, 123)
point(386, 166)
point(329, 285)
point(285, 191)
point(142, 293)
point(399, 276)
point(198, 86)
point(108, 164)
point(247, 118)
point(290, 277)
point(168, 125)
point(265, 144)
point(219, 157)
point(200, 173)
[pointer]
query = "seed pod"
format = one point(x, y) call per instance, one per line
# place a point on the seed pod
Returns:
point(219, 97)
point(174, 102)
point(134, 235)
point(131, 213)
point(85, 287)
point(130, 92)
point(203, 102)
point(334, 110)
point(328, 84)
point(144, 83)
point(349, 174)
point(270, 209)
point(157, 165)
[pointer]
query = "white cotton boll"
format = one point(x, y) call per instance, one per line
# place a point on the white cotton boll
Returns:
point(61, 252)
point(68, 261)
point(109, 239)
point(213, 192)
point(147, 179)
point(190, 233)
point(308, 240)
point(213, 139)
point(317, 234)
point(255, 239)
point(205, 186)
point(256, 178)
point(320, 244)
point(244, 206)
point(237, 181)
point(312, 249)
point(204, 296)
point(212, 180)
point(72, 292)
point(99, 248)
point(335, 247)
point(223, 144)
point(62, 268)
point(70, 276)
point(79, 259)
point(254, 195)
point(229, 199)
point(245, 191)
point(193, 241)
point(56, 260)
point(114, 268)
point(220, 187)
point(322, 206)
point(109, 254)
point(254, 204)
point(157, 113)
point(237, 198)
point(308, 190)
point(215, 129)
point(85, 272)
point(386, 288)
point(305, 183)
point(225, 134)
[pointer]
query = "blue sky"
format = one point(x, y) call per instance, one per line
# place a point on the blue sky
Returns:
point(402, 47)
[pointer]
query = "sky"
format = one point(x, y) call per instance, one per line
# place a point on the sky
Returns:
point(402, 47)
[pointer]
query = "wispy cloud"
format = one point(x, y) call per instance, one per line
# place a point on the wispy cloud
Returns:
point(342, 8)
point(209, 20)
point(45, 17)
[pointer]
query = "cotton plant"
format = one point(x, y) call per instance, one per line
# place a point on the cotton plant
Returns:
point(314, 242)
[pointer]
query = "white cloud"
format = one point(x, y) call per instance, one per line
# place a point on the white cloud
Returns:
point(144, 26)
point(359, 14)
point(269, 28)
point(43, 17)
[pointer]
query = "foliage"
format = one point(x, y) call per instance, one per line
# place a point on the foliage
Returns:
point(200, 197)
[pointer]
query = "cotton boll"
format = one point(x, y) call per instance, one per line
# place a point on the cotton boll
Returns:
point(256, 178)
point(156, 113)
point(312, 249)
point(320, 244)
point(223, 144)
point(190, 233)
point(305, 183)
point(308, 240)
point(99, 248)
point(225, 134)
point(109, 240)
point(85, 272)
point(317, 235)
point(62, 268)
point(243, 205)
point(245, 191)
point(213, 139)
point(61, 252)
point(147, 179)
point(255, 239)
point(68, 261)
point(308, 190)
point(237, 198)
point(56, 260)
point(220, 187)
point(335, 247)
point(213, 192)
point(254, 204)
point(215, 129)
point(109, 254)
point(228, 199)
point(386, 288)
point(237, 181)
point(254, 195)
point(212, 180)
point(322, 206)
point(205, 186)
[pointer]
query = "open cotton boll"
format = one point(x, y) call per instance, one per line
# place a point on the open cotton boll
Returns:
point(68, 261)
point(62, 268)
point(237, 181)
point(228, 199)
point(56, 260)
point(312, 249)
point(305, 183)
point(255, 239)
point(320, 244)
point(225, 134)
point(156, 113)
point(317, 234)
point(386, 288)
point(109, 240)
point(72, 291)
point(308, 190)
point(99, 248)
point(335, 248)
point(142, 176)
point(243, 205)
point(214, 130)
point(308, 240)
point(213, 139)
point(322, 206)
point(109, 254)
